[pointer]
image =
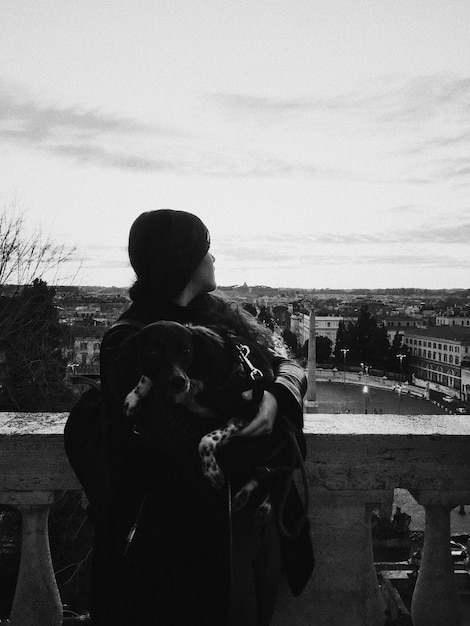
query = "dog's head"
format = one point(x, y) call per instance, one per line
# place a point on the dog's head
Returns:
point(166, 352)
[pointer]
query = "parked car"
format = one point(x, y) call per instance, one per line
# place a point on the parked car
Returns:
point(447, 399)
point(462, 410)
point(458, 551)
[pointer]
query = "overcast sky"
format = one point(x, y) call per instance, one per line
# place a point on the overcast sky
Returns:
point(325, 143)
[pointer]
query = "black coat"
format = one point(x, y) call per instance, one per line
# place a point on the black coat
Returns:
point(176, 570)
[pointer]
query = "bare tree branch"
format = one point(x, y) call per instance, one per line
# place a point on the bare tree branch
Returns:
point(23, 256)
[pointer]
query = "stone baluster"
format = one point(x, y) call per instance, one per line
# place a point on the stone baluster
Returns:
point(436, 599)
point(37, 600)
point(344, 587)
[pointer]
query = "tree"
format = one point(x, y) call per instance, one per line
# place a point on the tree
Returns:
point(323, 347)
point(248, 306)
point(366, 340)
point(265, 317)
point(291, 341)
point(31, 339)
point(30, 335)
point(343, 340)
point(25, 255)
point(393, 361)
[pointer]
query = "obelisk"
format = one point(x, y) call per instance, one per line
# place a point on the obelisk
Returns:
point(311, 404)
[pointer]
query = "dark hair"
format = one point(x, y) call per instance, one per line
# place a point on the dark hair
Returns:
point(216, 309)
point(165, 247)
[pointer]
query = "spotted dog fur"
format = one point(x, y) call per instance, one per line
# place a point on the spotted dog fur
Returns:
point(190, 365)
point(209, 445)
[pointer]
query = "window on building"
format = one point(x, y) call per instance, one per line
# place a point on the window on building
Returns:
point(457, 360)
point(451, 358)
point(83, 345)
point(439, 345)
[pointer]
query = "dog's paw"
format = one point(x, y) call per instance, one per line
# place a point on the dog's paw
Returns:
point(263, 512)
point(131, 404)
point(135, 397)
point(210, 467)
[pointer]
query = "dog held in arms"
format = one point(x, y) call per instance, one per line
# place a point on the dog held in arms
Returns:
point(203, 371)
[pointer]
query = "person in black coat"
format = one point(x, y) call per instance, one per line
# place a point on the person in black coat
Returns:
point(167, 548)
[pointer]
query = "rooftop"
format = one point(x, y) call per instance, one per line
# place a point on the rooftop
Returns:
point(451, 333)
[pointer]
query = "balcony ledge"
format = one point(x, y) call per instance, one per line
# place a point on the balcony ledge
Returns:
point(354, 462)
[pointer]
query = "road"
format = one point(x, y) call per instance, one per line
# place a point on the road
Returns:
point(334, 397)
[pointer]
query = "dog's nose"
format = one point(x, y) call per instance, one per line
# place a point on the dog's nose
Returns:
point(177, 384)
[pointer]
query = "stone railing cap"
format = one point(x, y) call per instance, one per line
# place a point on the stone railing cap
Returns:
point(419, 425)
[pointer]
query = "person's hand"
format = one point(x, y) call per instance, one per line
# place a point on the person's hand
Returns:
point(263, 423)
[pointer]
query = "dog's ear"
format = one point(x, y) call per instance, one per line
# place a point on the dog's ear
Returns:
point(208, 345)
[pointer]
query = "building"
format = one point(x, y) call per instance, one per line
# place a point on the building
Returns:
point(86, 352)
point(401, 324)
point(83, 351)
point(447, 320)
point(465, 370)
point(436, 355)
point(325, 326)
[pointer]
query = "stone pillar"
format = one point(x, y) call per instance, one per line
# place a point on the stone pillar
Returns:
point(344, 587)
point(37, 600)
point(436, 599)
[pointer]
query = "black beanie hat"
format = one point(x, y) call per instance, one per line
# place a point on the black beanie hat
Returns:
point(165, 247)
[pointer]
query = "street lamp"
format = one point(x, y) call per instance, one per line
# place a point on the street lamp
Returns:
point(344, 351)
point(401, 357)
point(365, 391)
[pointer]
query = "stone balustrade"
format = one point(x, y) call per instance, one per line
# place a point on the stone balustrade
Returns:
point(354, 463)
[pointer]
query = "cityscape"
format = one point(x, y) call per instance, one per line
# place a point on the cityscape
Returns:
point(432, 327)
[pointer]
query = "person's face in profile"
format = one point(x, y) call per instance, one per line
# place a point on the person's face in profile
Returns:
point(203, 278)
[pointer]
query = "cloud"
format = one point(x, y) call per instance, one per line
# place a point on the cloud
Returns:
point(454, 168)
point(258, 105)
point(414, 261)
point(99, 138)
point(85, 135)
point(405, 208)
point(33, 122)
point(390, 99)
point(398, 119)
point(87, 153)
point(289, 245)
